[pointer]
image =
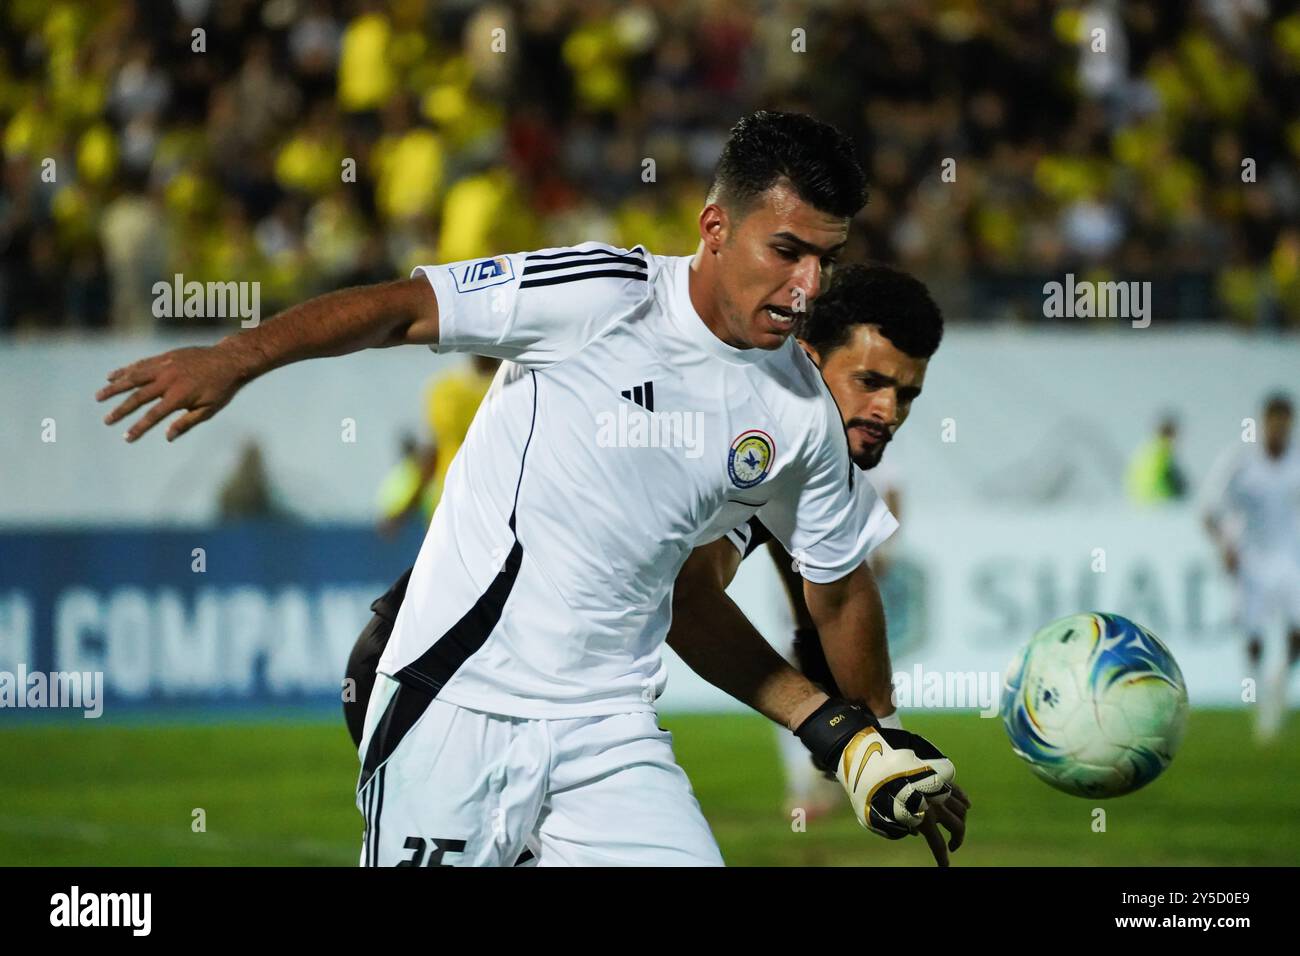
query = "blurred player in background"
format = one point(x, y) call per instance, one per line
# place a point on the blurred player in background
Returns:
point(407, 484)
point(1251, 508)
point(450, 403)
point(1154, 474)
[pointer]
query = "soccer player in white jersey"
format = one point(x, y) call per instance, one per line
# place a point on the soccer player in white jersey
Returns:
point(1251, 507)
point(871, 334)
point(514, 714)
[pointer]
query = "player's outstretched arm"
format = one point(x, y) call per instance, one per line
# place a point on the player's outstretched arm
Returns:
point(715, 639)
point(906, 791)
point(202, 380)
point(891, 795)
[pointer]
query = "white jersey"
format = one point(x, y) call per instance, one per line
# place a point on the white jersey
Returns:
point(1261, 496)
point(632, 435)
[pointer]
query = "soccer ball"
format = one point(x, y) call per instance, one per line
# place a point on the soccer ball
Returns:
point(1095, 704)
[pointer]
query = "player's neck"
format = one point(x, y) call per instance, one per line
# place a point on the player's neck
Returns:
point(701, 286)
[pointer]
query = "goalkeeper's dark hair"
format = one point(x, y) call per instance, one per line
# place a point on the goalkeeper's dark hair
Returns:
point(766, 147)
point(896, 303)
point(1278, 403)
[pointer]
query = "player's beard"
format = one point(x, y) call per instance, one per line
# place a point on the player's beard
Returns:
point(869, 456)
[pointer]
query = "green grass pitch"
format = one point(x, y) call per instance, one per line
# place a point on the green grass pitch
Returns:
point(278, 792)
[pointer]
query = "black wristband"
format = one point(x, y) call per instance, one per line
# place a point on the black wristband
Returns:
point(830, 727)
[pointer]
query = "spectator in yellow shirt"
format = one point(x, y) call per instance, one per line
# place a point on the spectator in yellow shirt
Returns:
point(1154, 475)
point(450, 405)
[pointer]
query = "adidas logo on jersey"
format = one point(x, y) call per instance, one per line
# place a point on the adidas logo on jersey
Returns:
point(643, 395)
point(643, 427)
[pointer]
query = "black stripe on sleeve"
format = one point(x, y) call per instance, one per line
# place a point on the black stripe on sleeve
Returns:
point(577, 276)
point(568, 253)
point(536, 268)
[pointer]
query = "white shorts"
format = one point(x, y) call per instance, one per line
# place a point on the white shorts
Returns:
point(1268, 590)
point(465, 788)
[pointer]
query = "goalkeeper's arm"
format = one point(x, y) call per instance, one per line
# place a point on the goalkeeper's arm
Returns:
point(889, 795)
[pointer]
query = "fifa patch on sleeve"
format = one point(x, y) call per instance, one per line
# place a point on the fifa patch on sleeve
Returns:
point(472, 276)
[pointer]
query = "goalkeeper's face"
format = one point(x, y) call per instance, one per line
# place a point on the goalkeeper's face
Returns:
point(874, 384)
point(1277, 431)
point(773, 259)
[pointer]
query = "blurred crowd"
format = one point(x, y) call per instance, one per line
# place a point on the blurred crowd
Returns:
point(310, 144)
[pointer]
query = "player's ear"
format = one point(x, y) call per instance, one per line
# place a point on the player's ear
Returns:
point(713, 226)
point(811, 352)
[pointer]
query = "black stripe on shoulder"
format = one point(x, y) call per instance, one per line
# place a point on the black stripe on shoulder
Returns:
point(570, 253)
point(578, 276)
point(603, 260)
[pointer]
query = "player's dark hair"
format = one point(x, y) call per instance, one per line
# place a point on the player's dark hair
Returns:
point(896, 303)
point(1279, 403)
point(815, 157)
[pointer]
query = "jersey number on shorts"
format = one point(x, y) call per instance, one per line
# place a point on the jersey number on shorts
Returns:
point(440, 847)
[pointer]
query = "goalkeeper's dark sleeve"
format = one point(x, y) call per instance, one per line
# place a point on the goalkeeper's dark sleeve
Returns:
point(811, 658)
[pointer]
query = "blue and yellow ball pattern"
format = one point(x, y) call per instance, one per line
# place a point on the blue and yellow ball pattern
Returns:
point(1095, 704)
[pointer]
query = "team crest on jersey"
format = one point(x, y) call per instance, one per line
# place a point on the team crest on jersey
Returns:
point(751, 458)
point(482, 274)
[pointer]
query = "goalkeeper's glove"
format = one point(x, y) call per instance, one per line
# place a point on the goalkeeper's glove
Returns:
point(890, 775)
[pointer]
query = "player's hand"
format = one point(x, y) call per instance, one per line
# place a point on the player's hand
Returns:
point(951, 815)
point(200, 380)
point(893, 777)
